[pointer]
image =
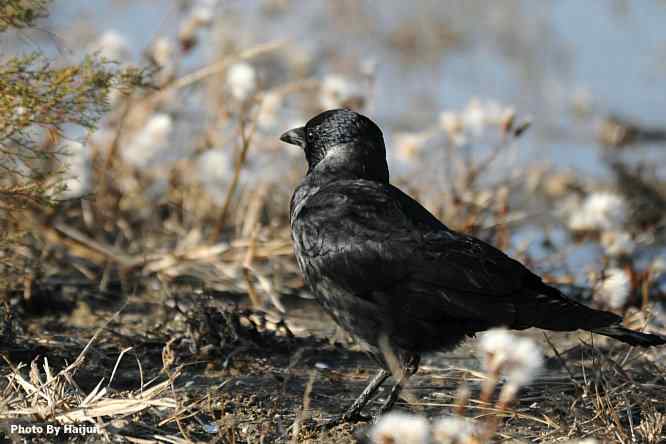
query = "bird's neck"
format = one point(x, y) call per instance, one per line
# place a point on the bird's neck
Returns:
point(341, 163)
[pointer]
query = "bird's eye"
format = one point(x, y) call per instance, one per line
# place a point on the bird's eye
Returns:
point(310, 134)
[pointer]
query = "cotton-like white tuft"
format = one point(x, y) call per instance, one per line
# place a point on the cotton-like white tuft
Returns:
point(400, 428)
point(242, 80)
point(474, 117)
point(20, 111)
point(337, 91)
point(203, 15)
point(478, 115)
point(408, 145)
point(658, 275)
point(478, 121)
point(149, 141)
point(518, 358)
point(270, 105)
point(113, 46)
point(614, 288)
point(215, 170)
point(450, 122)
point(599, 211)
point(78, 160)
point(163, 52)
point(617, 243)
point(526, 361)
point(454, 430)
point(658, 265)
point(494, 347)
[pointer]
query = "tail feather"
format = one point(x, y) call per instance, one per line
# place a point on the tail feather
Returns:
point(631, 337)
point(551, 310)
point(548, 308)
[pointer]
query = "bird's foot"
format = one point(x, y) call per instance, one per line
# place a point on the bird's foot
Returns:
point(352, 417)
point(349, 417)
point(387, 407)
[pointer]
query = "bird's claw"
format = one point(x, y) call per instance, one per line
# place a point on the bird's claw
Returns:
point(345, 418)
point(355, 417)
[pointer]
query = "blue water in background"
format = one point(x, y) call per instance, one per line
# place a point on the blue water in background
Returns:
point(536, 56)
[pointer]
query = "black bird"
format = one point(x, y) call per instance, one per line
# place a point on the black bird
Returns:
point(390, 273)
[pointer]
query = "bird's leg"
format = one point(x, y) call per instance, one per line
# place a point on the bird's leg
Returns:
point(392, 398)
point(411, 367)
point(353, 413)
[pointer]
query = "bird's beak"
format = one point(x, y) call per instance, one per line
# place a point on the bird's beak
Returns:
point(294, 136)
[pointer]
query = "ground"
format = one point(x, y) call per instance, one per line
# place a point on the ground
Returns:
point(225, 373)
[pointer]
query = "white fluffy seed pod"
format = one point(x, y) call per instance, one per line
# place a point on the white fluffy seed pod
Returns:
point(518, 358)
point(268, 113)
point(454, 430)
point(617, 243)
point(149, 141)
point(338, 91)
point(242, 80)
point(494, 347)
point(409, 145)
point(614, 288)
point(599, 211)
point(113, 46)
point(162, 52)
point(215, 170)
point(78, 169)
point(400, 428)
point(525, 363)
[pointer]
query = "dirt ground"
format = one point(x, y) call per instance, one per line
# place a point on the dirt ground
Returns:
point(233, 375)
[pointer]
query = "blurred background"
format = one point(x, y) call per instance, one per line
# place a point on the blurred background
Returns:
point(537, 126)
point(228, 77)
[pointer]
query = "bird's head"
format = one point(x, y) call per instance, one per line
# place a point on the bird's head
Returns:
point(342, 142)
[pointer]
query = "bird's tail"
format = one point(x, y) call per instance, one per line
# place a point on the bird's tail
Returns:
point(630, 337)
point(551, 310)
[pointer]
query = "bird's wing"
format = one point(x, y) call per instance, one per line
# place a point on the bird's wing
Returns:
point(379, 243)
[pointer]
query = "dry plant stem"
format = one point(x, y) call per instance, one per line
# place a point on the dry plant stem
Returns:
point(493, 421)
point(102, 166)
point(462, 398)
point(80, 358)
point(178, 406)
point(80, 243)
point(489, 428)
point(246, 139)
point(306, 406)
point(112, 150)
point(251, 218)
point(115, 367)
point(507, 396)
point(67, 406)
point(503, 235)
point(247, 270)
point(488, 387)
point(645, 289)
point(562, 361)
point(219, 66)
point(179, 413)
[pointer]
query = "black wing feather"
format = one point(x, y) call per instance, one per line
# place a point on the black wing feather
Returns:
point(388, 257)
